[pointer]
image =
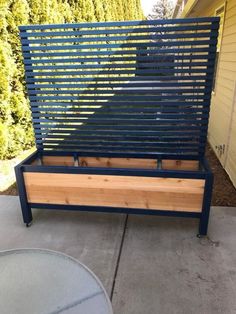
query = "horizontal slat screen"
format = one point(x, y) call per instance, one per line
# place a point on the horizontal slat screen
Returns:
point(138, 87)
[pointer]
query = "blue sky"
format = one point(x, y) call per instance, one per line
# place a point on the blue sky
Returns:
point(148, 4)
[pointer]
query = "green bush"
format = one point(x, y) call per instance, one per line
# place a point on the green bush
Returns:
point(16, 132)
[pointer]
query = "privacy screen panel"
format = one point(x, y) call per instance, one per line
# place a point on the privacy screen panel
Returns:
point(138, 87)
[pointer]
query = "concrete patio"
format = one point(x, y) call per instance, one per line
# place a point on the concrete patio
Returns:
point(147, 264)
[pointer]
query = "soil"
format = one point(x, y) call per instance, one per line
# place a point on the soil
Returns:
point(224, 193)
point(12, 190)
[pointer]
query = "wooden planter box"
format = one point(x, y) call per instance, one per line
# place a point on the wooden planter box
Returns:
point(120, 112)
point(116, 184)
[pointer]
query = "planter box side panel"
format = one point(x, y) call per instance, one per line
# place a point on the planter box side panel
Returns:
point(174, 194)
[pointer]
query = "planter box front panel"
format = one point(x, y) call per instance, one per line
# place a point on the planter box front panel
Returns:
point(115, 191)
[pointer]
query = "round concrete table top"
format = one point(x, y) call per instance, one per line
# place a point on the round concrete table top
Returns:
point(35, 281)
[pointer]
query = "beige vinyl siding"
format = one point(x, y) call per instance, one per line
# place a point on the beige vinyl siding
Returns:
point(221, 98)
point(227, 79)
point(222, 125)
point(231, 154)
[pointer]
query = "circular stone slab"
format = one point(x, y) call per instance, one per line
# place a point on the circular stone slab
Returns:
point(35, 281)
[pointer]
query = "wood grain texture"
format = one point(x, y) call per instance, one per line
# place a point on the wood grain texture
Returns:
point(115, 191)
point(117, 162)
point(180, 164)
point(58, 161)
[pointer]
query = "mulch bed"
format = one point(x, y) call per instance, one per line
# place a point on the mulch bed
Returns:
point(224, 193)
point(12, 190)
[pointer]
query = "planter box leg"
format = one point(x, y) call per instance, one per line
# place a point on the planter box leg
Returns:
point(203, 224)
point(27, 215)
point(25, 208)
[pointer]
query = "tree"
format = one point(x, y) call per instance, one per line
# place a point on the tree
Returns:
point(16, 131)
point(99, 12)
point(87, 9)
point(163, 9)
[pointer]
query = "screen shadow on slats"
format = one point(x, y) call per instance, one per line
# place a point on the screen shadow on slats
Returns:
point(139, 87)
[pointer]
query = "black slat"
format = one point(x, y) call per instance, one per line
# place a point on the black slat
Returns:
point(140, 87)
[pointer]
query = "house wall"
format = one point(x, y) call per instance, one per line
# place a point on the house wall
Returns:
point(222, 124)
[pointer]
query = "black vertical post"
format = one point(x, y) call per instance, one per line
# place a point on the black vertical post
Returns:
point(35, 124)
point(209, 77)
point(25, 208)
point(203, 225)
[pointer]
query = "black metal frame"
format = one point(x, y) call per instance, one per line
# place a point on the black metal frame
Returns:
point(138, 132)
point(204, 172)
